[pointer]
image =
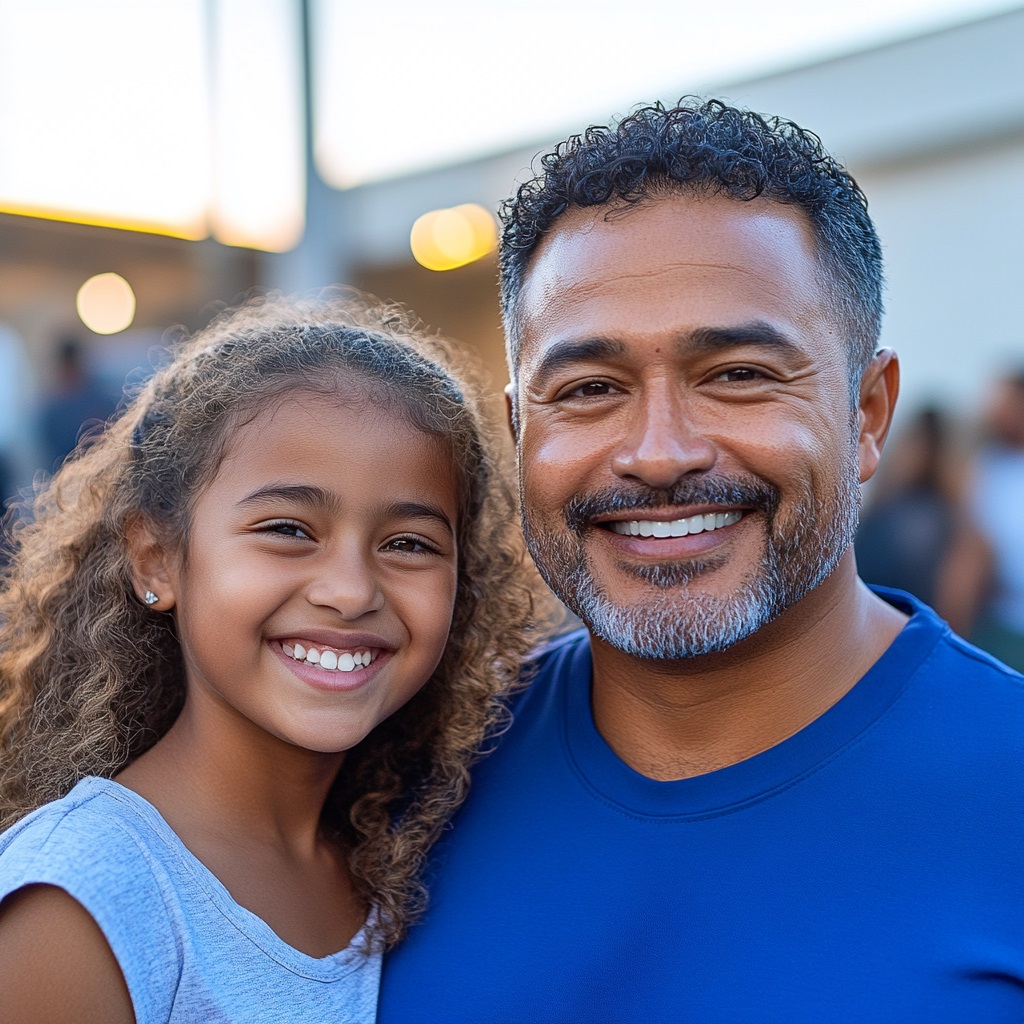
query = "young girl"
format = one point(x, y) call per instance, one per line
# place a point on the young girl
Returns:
point(249, 643)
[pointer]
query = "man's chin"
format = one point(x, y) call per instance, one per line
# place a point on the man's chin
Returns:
point(678, 626)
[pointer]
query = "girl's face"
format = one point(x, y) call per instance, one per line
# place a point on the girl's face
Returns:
point(316, 592)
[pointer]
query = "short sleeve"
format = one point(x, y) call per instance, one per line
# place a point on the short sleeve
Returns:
point(99, 863)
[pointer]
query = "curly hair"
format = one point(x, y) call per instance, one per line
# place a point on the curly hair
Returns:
point(90, 679)
point(711, 148)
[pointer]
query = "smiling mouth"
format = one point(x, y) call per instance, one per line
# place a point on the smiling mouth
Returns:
point(330, 659)
point(704, 523)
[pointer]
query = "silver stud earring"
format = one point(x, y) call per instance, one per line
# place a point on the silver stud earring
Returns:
point(150, 597)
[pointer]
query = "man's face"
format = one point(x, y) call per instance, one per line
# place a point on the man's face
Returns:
point(687, 442)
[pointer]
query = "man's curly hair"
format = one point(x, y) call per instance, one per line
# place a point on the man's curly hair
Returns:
point(714, 149)
point(90, 678)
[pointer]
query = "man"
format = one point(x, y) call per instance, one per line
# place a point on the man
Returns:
point(753, 790)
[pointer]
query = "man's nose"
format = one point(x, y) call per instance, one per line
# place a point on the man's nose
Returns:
point(663, 442)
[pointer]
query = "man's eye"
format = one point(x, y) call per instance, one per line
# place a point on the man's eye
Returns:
point(740, 373)
point(591, 389)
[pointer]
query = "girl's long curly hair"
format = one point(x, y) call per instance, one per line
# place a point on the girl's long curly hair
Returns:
point(90, 678)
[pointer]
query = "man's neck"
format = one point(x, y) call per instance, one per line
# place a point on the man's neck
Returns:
point(675, 719)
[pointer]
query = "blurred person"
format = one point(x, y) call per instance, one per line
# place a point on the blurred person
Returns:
point(249, 642)
point(74, 400)
point(982, 587)
point(908, 528)
point(753, 789)
point(18, 434)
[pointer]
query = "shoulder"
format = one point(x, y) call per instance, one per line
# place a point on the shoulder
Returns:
point(559, 657)
point(949, 655)
point(90, 850)
point(955, 700)
point(549, 674)
point(87, 840)
point(973, 674)
point(550, 669)
point(927, 643)
point(57, 965)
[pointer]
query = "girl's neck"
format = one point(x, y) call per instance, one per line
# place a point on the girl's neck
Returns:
point(238, 782)
point(249, 808)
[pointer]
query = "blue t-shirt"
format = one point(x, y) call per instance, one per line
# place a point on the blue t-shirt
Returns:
point(869, 868)
point(189, 953)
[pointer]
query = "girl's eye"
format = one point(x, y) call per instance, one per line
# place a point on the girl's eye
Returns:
point(413, 545)
point(286, 528)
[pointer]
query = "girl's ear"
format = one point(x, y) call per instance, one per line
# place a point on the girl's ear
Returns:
point(152, 566)
point(878, 390)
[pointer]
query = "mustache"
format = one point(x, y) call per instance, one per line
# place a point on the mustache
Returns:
point(582, 509)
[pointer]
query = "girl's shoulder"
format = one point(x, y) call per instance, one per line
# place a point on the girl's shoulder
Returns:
point(97, 845)
point(99, 829)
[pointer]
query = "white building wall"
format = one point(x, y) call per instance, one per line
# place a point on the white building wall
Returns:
point(952, 226)
point(932, 127)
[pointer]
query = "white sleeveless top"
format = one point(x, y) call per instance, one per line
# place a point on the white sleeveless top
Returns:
point(188, 951)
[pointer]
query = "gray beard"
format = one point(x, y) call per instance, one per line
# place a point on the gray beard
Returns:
point(677, 622)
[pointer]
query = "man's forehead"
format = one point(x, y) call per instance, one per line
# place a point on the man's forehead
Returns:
point(713, 222)
point(632, 264)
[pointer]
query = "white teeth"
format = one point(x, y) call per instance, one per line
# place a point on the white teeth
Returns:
point(677, 527)
point(333, 661)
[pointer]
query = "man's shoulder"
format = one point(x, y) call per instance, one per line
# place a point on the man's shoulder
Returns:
point(554, 663)
point(556, 651)
point(947, 653)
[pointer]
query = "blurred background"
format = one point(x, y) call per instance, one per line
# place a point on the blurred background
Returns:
point(158, 157)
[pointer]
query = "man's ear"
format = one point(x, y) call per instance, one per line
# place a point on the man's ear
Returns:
point(879, 387)
point(510, 409)
point(152, 566)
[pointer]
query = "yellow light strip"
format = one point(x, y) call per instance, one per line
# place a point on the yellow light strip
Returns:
point(97, 221)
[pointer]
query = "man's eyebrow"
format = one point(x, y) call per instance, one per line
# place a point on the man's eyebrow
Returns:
point(299, 494)
point(568, 352)
point(756, 333)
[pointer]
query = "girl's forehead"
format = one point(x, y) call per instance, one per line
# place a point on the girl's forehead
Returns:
point(310, 433)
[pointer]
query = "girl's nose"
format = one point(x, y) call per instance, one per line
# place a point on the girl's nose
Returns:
point(348, 583)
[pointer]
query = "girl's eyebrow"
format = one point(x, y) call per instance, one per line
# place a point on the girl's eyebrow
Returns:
point(319, 498)
point(420, 510)
point(300, 494)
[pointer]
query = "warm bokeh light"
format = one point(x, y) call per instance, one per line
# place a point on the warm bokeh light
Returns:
point(106, 304)
point(181, 117)
point(259, 186)
point(446, 239)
